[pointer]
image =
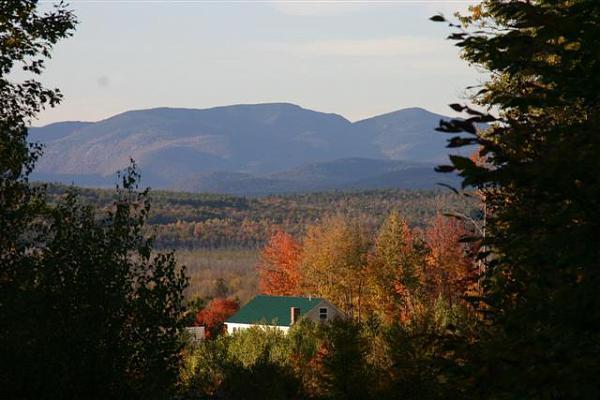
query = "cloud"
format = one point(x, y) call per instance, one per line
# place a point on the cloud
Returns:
point(317, 7)
point(448, 7)
point(384, 47)
point(337, 7)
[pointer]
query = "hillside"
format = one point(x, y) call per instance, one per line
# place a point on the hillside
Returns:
point(199, 220)
point(246, 149)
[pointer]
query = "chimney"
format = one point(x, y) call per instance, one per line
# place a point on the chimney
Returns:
point(294, 315)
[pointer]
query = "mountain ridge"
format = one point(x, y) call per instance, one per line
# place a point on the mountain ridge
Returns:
point(276, 145)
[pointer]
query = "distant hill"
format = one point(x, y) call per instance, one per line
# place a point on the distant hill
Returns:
point(343, 174)
point(364, 173)
point(247, 149)
point(58, 130)
point(407, 134)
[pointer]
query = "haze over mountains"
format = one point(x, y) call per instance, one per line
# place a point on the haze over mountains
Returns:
point(247, 149)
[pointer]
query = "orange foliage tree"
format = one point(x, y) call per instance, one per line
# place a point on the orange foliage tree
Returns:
point(394, 273)
point(278, 268)
point(334, 262)
point(451, 269)
point(214, 315)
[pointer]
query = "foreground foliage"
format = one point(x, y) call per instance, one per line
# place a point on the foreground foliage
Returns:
point(541, 187)
point(87, 310)
point(344, 360)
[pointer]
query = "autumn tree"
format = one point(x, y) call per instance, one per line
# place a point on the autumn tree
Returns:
point(542, 192)
point(395, 271)
point(214, 315)
point(450, 268)
point(279, 264)
point(334, 262)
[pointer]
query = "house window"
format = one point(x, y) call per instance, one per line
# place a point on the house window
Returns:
point(323, 313)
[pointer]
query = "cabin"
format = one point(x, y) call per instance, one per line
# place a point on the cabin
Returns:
point(281, 312)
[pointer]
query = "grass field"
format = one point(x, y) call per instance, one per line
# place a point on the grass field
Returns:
point(235, 266)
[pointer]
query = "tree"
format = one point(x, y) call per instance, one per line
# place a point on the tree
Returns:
point(87, 309)
point(346, 372)
point(395, 271)
point(334, 263)
point(221, 288)
point(26, 39)
point(279, 264)
point(98, 314)
point(542, 195)
point(214, 315)
point(450, 271)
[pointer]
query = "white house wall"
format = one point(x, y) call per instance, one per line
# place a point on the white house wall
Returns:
point(236, 327)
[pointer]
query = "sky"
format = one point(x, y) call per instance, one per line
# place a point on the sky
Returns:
point(353, 58)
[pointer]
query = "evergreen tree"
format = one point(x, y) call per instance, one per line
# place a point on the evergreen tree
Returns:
point(346, 373)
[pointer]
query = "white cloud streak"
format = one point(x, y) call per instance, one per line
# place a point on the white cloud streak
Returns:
point(317, 8)
point(313, 8)
point(384, 47)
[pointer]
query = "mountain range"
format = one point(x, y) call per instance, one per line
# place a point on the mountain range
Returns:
point(247, 149)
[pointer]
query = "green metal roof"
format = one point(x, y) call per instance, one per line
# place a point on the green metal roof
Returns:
point(272, 310)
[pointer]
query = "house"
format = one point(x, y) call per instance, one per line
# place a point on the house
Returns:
point(281, 312)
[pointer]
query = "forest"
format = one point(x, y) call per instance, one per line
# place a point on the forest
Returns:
point(218, 238)
point(189, 221)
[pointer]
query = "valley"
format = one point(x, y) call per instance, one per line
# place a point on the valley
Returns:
point(219, 237)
